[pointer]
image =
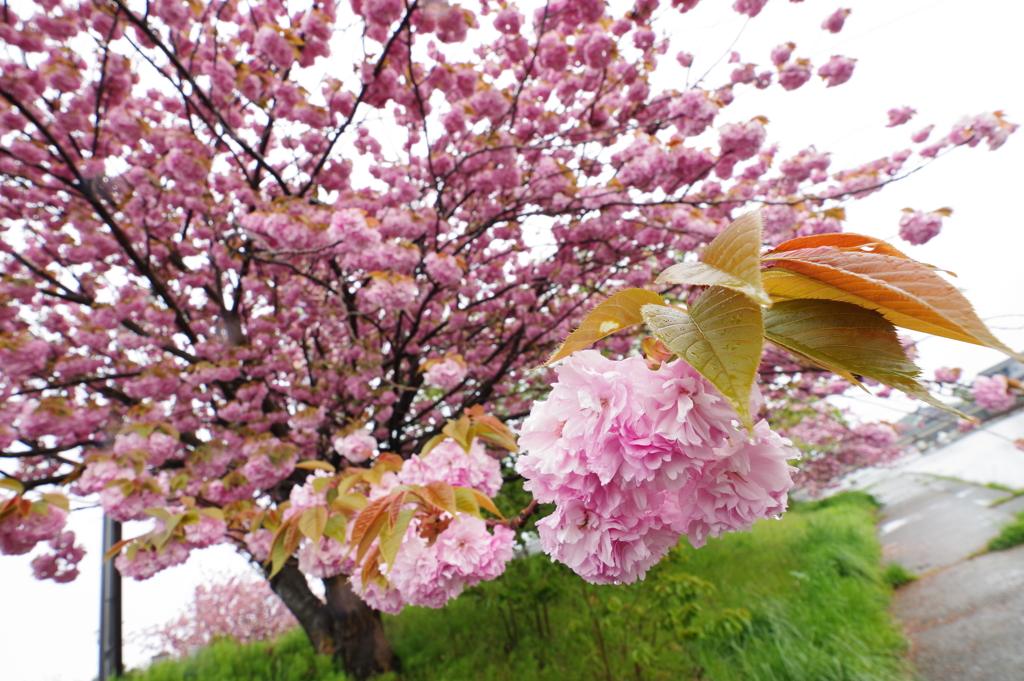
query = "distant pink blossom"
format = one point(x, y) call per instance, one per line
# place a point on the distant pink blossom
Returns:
point(62, 565)
point(781, 53)
point(993, 393)
point(794, 75)
point(922, 134)
point(837, 71)
point(918, 227)
point(20, 533)
point(945, 375)
point(275, 46)
point(448, 462)
point(149, 561)
point(749, 7)
point(244, 611)
point(357, 447)
point(900, 116)
point(834, 22)
point(446, 374)
point(389, 293)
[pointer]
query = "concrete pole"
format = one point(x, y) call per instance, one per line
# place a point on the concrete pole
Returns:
point(110, 607)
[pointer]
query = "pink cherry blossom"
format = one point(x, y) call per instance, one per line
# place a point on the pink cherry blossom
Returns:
point(445, 374)
point(625, 453)
point(149, 561)
point(922, 134)
point(357, 446)
point(62, 565)
point(834, 22)
point(900, 116)
point(749, 7)
point(792, 75)
point(945, 375)
point(993, 393)
point(918, 227)
point(448, 462)
point(781, 53)
point(837, 71)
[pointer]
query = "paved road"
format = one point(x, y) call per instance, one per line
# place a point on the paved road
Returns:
point(964, 616)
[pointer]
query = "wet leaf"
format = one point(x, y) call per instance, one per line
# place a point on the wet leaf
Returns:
point(732, 260)
point(721, 337)
point(906, 292)
point(846, 339)
point(619, 311)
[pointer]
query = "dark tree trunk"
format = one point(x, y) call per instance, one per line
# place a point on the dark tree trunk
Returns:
point(345, 627)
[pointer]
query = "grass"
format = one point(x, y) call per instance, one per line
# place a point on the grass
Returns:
point(797, 599)
point(1010, 536)
point(289, 658)
point(895, 575)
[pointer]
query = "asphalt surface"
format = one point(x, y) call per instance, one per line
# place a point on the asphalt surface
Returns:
point(964, 616)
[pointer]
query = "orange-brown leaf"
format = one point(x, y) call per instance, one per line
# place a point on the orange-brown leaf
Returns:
point(439, 495)
point(845, 241)
point(373, 512)
point(904, 291)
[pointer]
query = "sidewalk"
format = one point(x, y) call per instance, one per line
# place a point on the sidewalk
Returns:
point(964, 617)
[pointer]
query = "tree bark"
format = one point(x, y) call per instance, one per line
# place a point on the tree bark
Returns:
point(343, 627)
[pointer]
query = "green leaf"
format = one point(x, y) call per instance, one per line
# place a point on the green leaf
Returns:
point(335, 528)
point(460, 430)
point(278, 556)
point(12, 484)
point(465, 501)
point(313, 522)
point(619, 311)
point(722, 338)
point(486, 503)
point(316, 465)
point(731, 260)
point(702, 274)
point(391, 538)
point(849, 340)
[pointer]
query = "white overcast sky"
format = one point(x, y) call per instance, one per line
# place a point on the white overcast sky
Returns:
point(946, 59)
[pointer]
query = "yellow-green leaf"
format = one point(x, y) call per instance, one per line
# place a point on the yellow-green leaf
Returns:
point(847, 339)
point(313, 522)
point(619, 311)
point(904, 291)
point(461, 430)
point(465, 501)
point(721, 337)
point(335, 528)
point(486, 503)
point(391, 538)
point(315, 465)
point(58, 500)
point(703, 274)
point(12, 484)
point(732, 260)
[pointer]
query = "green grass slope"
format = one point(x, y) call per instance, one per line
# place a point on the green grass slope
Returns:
point(797, 599)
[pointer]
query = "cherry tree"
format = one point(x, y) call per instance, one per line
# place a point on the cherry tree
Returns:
point(277, 274)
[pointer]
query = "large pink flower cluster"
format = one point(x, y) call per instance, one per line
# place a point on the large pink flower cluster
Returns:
point(993, 393)
point(19, 533)
point(448, 462)
point(635, 458)
point(431, 574)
